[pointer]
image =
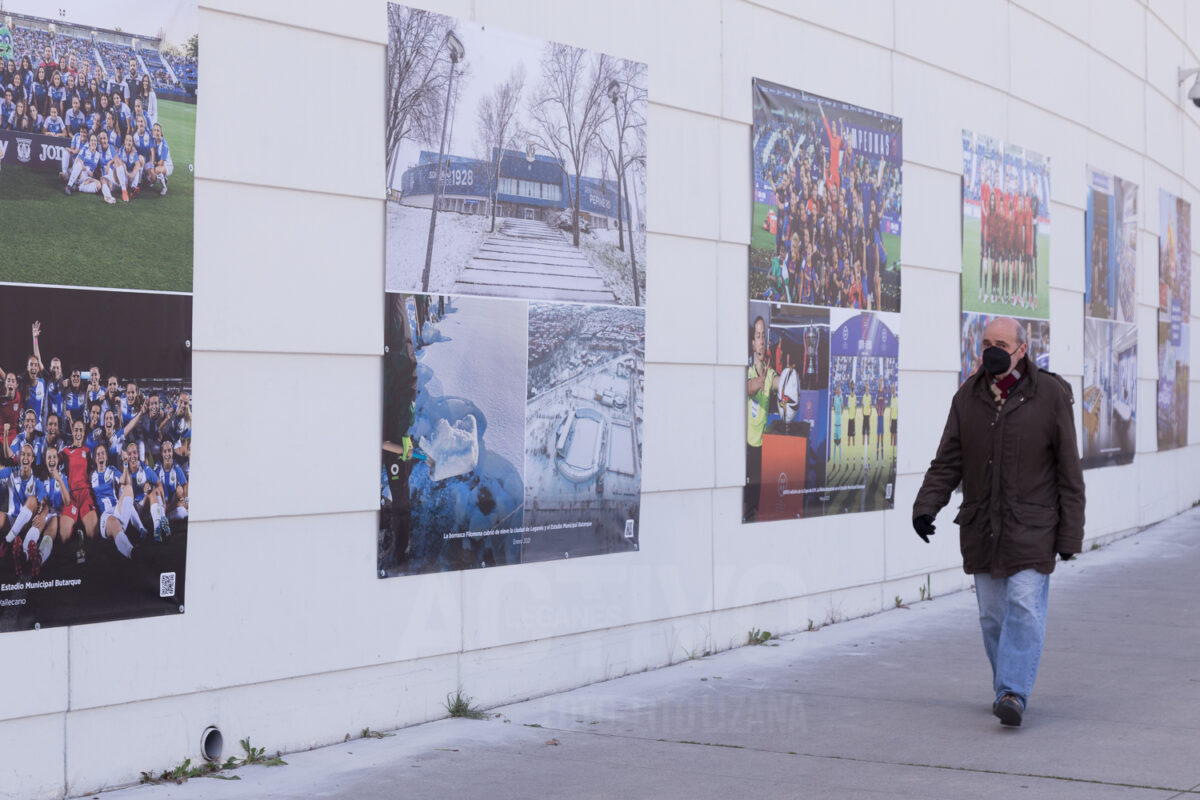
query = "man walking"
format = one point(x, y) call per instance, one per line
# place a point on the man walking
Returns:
point(1010, 440)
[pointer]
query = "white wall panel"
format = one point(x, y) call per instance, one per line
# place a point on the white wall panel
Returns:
point(266, 284)
point(981, 56)
point(684, 272)
point(242, 47)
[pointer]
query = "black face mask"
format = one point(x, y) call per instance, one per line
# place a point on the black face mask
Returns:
point(996, 360)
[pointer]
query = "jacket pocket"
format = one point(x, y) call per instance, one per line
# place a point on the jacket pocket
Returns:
point(1029, 533)
point(974, 534)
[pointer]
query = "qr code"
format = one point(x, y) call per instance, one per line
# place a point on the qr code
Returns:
point(628, 529)
point(166, 584)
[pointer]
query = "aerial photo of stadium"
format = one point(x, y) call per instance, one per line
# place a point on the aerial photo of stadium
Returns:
point(583, 430)
point(97, 137)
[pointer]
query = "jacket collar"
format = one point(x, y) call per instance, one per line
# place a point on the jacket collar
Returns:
point(1028, 385)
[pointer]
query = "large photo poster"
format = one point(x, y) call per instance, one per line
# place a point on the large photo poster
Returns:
point(97, 132)
point(1109, 401)
point(514, 361)
point(1174, 313)
point(1005, 244)
point(822, 345)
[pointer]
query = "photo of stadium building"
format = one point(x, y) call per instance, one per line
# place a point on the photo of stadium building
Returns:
point(528, 189)
point(515, 167)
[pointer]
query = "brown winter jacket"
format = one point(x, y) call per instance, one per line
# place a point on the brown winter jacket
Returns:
point(1023, 492)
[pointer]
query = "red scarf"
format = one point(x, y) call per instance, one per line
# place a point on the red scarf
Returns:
point(1004, 386)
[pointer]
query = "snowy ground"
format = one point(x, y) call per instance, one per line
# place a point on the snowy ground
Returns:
point(620, 452)
point(600, 247)
point(471, 373)
point(456, 240)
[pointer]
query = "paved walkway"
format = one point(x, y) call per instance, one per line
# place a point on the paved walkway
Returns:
point(895, 705)
point(533, 261)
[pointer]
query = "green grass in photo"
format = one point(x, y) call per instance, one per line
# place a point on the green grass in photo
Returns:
point(970, 280)
point(762, 249)
point(49, 238)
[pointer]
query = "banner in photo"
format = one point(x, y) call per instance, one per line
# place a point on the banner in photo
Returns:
point(824, 258)
point(516, 167)
point(514, 328)
point(1174, 313)
point(96, 455)
point(1109, 401)
point(96, 195)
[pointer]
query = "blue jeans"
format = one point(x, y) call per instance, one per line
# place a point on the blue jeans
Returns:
point(1012, 614)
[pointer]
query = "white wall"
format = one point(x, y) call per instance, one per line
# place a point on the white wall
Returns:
point(291, 640)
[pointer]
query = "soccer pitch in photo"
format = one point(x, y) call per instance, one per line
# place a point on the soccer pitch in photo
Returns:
point(970, 279)
point(50, 238)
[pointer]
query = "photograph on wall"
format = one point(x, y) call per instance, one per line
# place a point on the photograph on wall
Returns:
point(97, 136)
point(1005, 229)
point(96, 454)
point(1037, 336)
point(1109, 401)
point(515, 277)
point(787, 422)
point(864, 404)
point(827, 202)
point(515, 167)
point(824, 251)
point(583, 430)
point(458, 397)
point(1174, 313)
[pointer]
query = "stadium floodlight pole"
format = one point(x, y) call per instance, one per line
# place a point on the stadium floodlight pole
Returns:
point(457, 53)
point(614, 93)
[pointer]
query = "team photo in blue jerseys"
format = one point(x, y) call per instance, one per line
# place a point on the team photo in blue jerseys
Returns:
point(97, 138)
point(92, 116)
point(95, 455)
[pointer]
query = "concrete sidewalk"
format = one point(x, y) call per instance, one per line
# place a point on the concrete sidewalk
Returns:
point(895, 705)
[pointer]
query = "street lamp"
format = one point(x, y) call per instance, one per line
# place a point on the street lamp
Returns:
point(457, 53)
point(614, 94)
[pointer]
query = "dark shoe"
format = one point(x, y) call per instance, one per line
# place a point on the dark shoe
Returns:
point(1008, 708)
point(18, 557)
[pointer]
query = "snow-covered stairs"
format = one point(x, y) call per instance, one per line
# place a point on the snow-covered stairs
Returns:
point(532, 260)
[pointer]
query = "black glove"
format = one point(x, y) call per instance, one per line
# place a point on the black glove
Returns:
point(923, 525)
point(1066, 556)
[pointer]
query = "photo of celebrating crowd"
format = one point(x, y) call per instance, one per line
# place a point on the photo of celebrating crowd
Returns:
point(827, 202)
point(1037, 336)
point(95, 456)
point(864, 406)
point(1174, 314)
point(515, 167)
point(97, 133)
point(787, 422)
point(1005, 229)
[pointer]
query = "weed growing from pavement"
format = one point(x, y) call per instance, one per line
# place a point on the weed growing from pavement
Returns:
point(185, 771)
point(463, 705)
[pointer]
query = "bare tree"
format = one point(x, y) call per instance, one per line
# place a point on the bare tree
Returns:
point(416, 87)
point(630, 124)
point(498, 126)
point(568, 108)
